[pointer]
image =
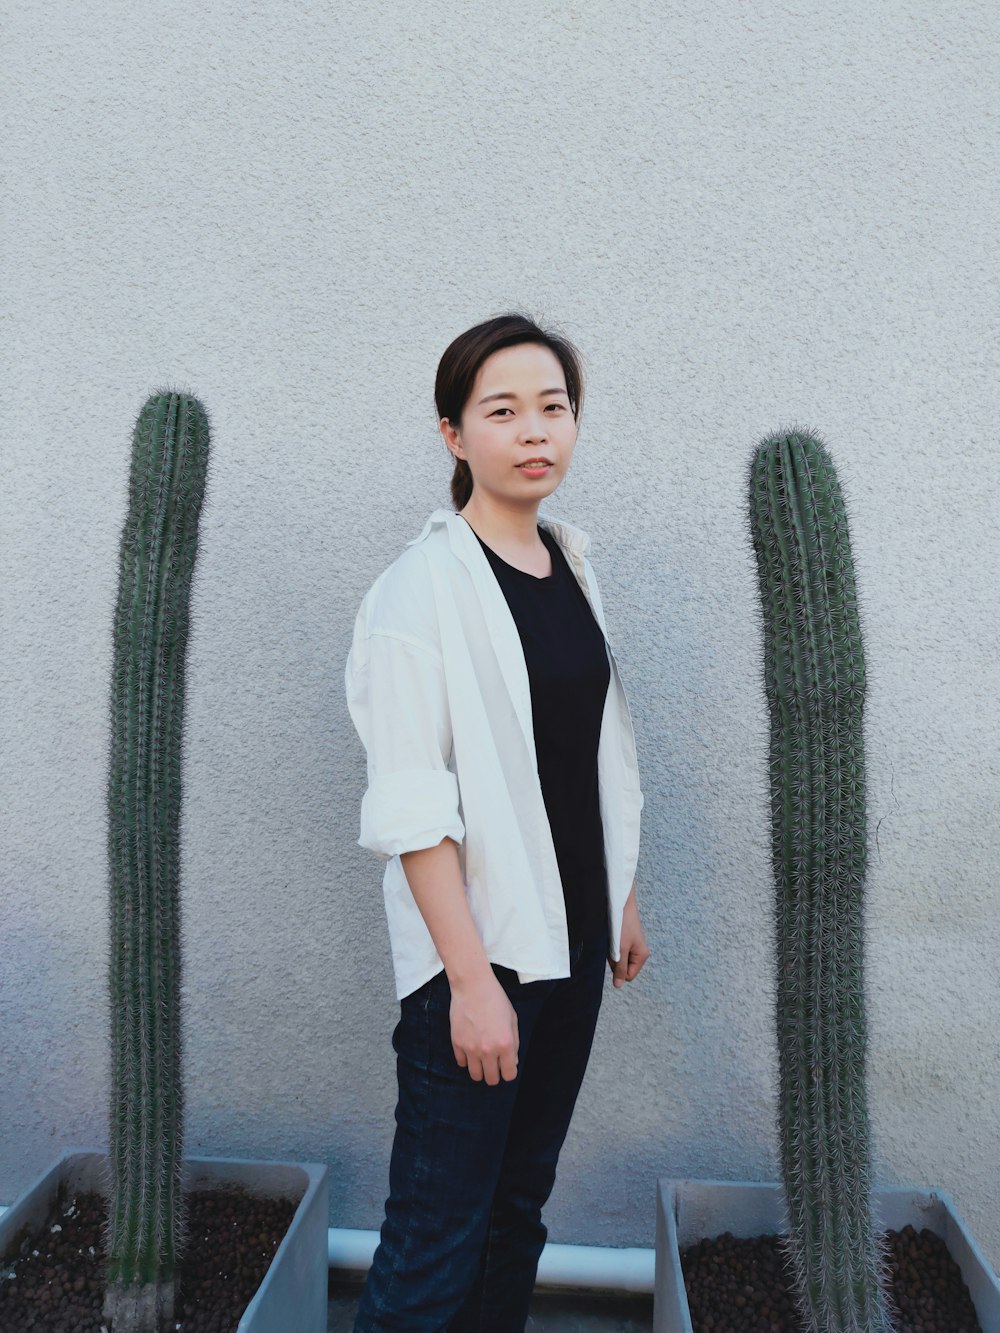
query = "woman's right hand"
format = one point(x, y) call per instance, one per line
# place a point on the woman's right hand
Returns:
point(484, 1029)
point(483, 1020)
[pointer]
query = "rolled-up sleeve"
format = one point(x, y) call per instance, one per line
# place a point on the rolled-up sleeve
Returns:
point(398, 700)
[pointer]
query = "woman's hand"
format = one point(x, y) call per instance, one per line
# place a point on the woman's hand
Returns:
point(484, 1029)
point(483, 1020)
point(633, 949)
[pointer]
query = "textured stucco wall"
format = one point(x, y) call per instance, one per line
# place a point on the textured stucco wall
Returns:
point(746, 216)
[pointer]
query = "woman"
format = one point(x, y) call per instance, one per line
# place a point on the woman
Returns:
point(503, 792)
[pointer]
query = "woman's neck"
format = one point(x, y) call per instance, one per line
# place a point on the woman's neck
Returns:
point(513, 528)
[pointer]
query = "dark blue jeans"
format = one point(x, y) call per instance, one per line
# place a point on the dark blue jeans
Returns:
point(472, 1164)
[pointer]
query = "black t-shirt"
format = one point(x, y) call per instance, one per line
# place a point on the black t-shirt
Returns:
point(569, 674)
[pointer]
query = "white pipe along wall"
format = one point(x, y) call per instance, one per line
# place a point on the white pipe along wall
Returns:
point(579, 1267)
point(583, 1267)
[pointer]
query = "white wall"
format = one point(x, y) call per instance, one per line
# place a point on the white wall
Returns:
point(747, 217)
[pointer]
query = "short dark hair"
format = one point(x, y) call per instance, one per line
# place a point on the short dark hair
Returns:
point(459, 366)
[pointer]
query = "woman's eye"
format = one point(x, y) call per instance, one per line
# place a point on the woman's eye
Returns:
point(560, 407)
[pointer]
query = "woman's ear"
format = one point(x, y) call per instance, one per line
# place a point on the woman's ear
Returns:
point(451, 437)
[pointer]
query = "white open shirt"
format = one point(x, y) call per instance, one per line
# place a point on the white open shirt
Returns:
point(438, 689)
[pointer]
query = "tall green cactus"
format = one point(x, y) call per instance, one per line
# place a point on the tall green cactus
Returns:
point(156, 563)
point(814, 678)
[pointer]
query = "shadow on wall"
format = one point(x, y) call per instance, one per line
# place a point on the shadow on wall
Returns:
point(706, 864)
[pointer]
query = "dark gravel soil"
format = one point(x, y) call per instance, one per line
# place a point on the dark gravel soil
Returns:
point(56, 1283)
point(740, 1286)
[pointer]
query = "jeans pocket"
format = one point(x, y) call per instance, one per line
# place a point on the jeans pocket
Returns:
point(418, 1000)
point(436, 992)
point(423, 1016)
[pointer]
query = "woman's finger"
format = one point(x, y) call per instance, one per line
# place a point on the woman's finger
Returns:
point(638, 957)
point(508, 1065)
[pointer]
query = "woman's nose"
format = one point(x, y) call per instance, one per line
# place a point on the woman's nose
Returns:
point(534, 429)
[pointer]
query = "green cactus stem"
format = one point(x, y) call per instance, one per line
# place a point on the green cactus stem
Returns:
point(156, 563)
point(814, 679)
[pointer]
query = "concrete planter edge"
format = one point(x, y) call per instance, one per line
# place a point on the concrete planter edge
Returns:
point(292, 1298)
point(688, 1210)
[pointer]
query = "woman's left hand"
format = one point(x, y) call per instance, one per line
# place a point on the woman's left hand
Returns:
point(633, 949)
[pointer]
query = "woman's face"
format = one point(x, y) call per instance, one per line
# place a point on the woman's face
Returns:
point(518, 410)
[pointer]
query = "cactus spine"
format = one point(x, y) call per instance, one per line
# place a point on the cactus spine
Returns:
point(814, 678)
point(156, 563)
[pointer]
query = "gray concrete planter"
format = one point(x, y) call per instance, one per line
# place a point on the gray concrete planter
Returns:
point(689, 1210)
point(293, 1296)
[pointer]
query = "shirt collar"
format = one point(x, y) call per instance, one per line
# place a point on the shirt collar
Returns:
point(569, 536)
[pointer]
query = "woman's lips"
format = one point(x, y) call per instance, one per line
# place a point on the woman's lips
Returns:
point(534, 469)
